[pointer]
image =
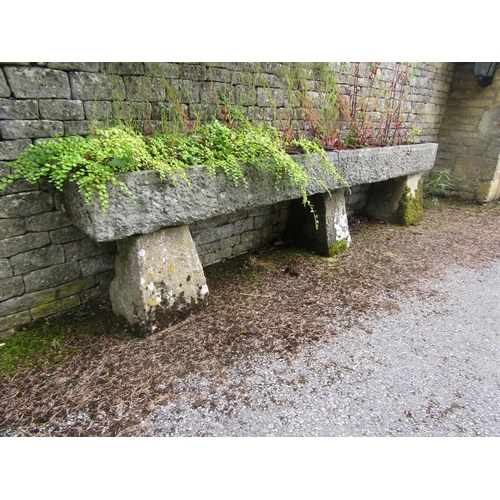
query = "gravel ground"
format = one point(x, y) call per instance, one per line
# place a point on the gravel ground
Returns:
point(429, 369)
point(395, 337)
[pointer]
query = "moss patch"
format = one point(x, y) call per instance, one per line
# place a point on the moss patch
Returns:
point(50, 341)
point(411, 208)
point(338, 247)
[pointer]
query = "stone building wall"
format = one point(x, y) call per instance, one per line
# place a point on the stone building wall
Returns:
point(469, 139)
point(47, 266)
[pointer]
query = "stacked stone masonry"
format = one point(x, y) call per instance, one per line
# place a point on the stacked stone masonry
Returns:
point(469, 138)
point(47, 266)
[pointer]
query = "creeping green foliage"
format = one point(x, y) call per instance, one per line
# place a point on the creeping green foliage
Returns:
point(95, 161)
point(89, 162)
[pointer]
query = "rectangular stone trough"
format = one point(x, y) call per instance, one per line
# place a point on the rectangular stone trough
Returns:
point(159, 278)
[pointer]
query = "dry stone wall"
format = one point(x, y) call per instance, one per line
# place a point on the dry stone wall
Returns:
point(47, 266)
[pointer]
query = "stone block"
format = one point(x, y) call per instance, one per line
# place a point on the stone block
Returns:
point(249, 236)
point(143, 88)
point(136, 110)
point(242, 78)
point(270, 96)
point(56, 307)
point(21, 129)
point(37, 259)
point(27, 301)
point(193, 72)
point(219, 75)
point(4, 88)
point(77, 250)
point(14, 320)
point(106, 278)
point(264, 210)
point(14, 109)
point(224, 253)
point(19, 244)
point(5, 269)
point(214, 234)
point(94, 294)
point(159, 279)
point(243, 225)
point(75, 66)
point(12, 227)
point(187, 92)
point(123, 68)
point(20, 186)
point(163, 70)
point(97, 264)
point(80, 127)
point(475, 168)
point(332, 217)
point(96, 86)
point(164, 204)
point(75, 287)
point(38, 82)
point(51, 276)
point(98, 110)
point(208, 259)
point(11, 287)
point(10, 150)
point(25, 204)
point(266, 220)
point(394, 199)
point(47, 221)
point(490, 122)
point(58, 109)
point(66, 234)
point(207, 247)
point(211, 92)
point(245, 96)
point(242, 248)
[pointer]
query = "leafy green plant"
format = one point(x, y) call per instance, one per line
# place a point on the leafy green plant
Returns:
point(440, 181)
point(91, 163)
point(437, 185)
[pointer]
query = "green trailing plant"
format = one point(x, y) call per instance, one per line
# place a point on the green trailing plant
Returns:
point(91, 163)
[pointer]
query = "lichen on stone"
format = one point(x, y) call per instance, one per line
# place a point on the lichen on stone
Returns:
point(411, 209)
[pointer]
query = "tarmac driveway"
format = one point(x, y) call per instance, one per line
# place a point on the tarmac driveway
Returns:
point(430, 369)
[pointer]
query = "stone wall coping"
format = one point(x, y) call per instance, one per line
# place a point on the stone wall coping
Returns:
point(161, 204)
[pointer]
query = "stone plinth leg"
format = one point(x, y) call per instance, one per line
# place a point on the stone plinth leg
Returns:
point(490, 190)
point(159, 279)
point(332, 218)
point(397, 200)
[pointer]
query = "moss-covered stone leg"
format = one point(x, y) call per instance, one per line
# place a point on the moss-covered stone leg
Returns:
point(332, 235)
point(159, 279)
point(397, 200)
point(411, 205)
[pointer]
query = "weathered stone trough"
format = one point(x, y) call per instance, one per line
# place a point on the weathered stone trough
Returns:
point(159, 277)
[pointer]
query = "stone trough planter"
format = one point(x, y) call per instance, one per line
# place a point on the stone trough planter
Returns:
point(159, 277)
